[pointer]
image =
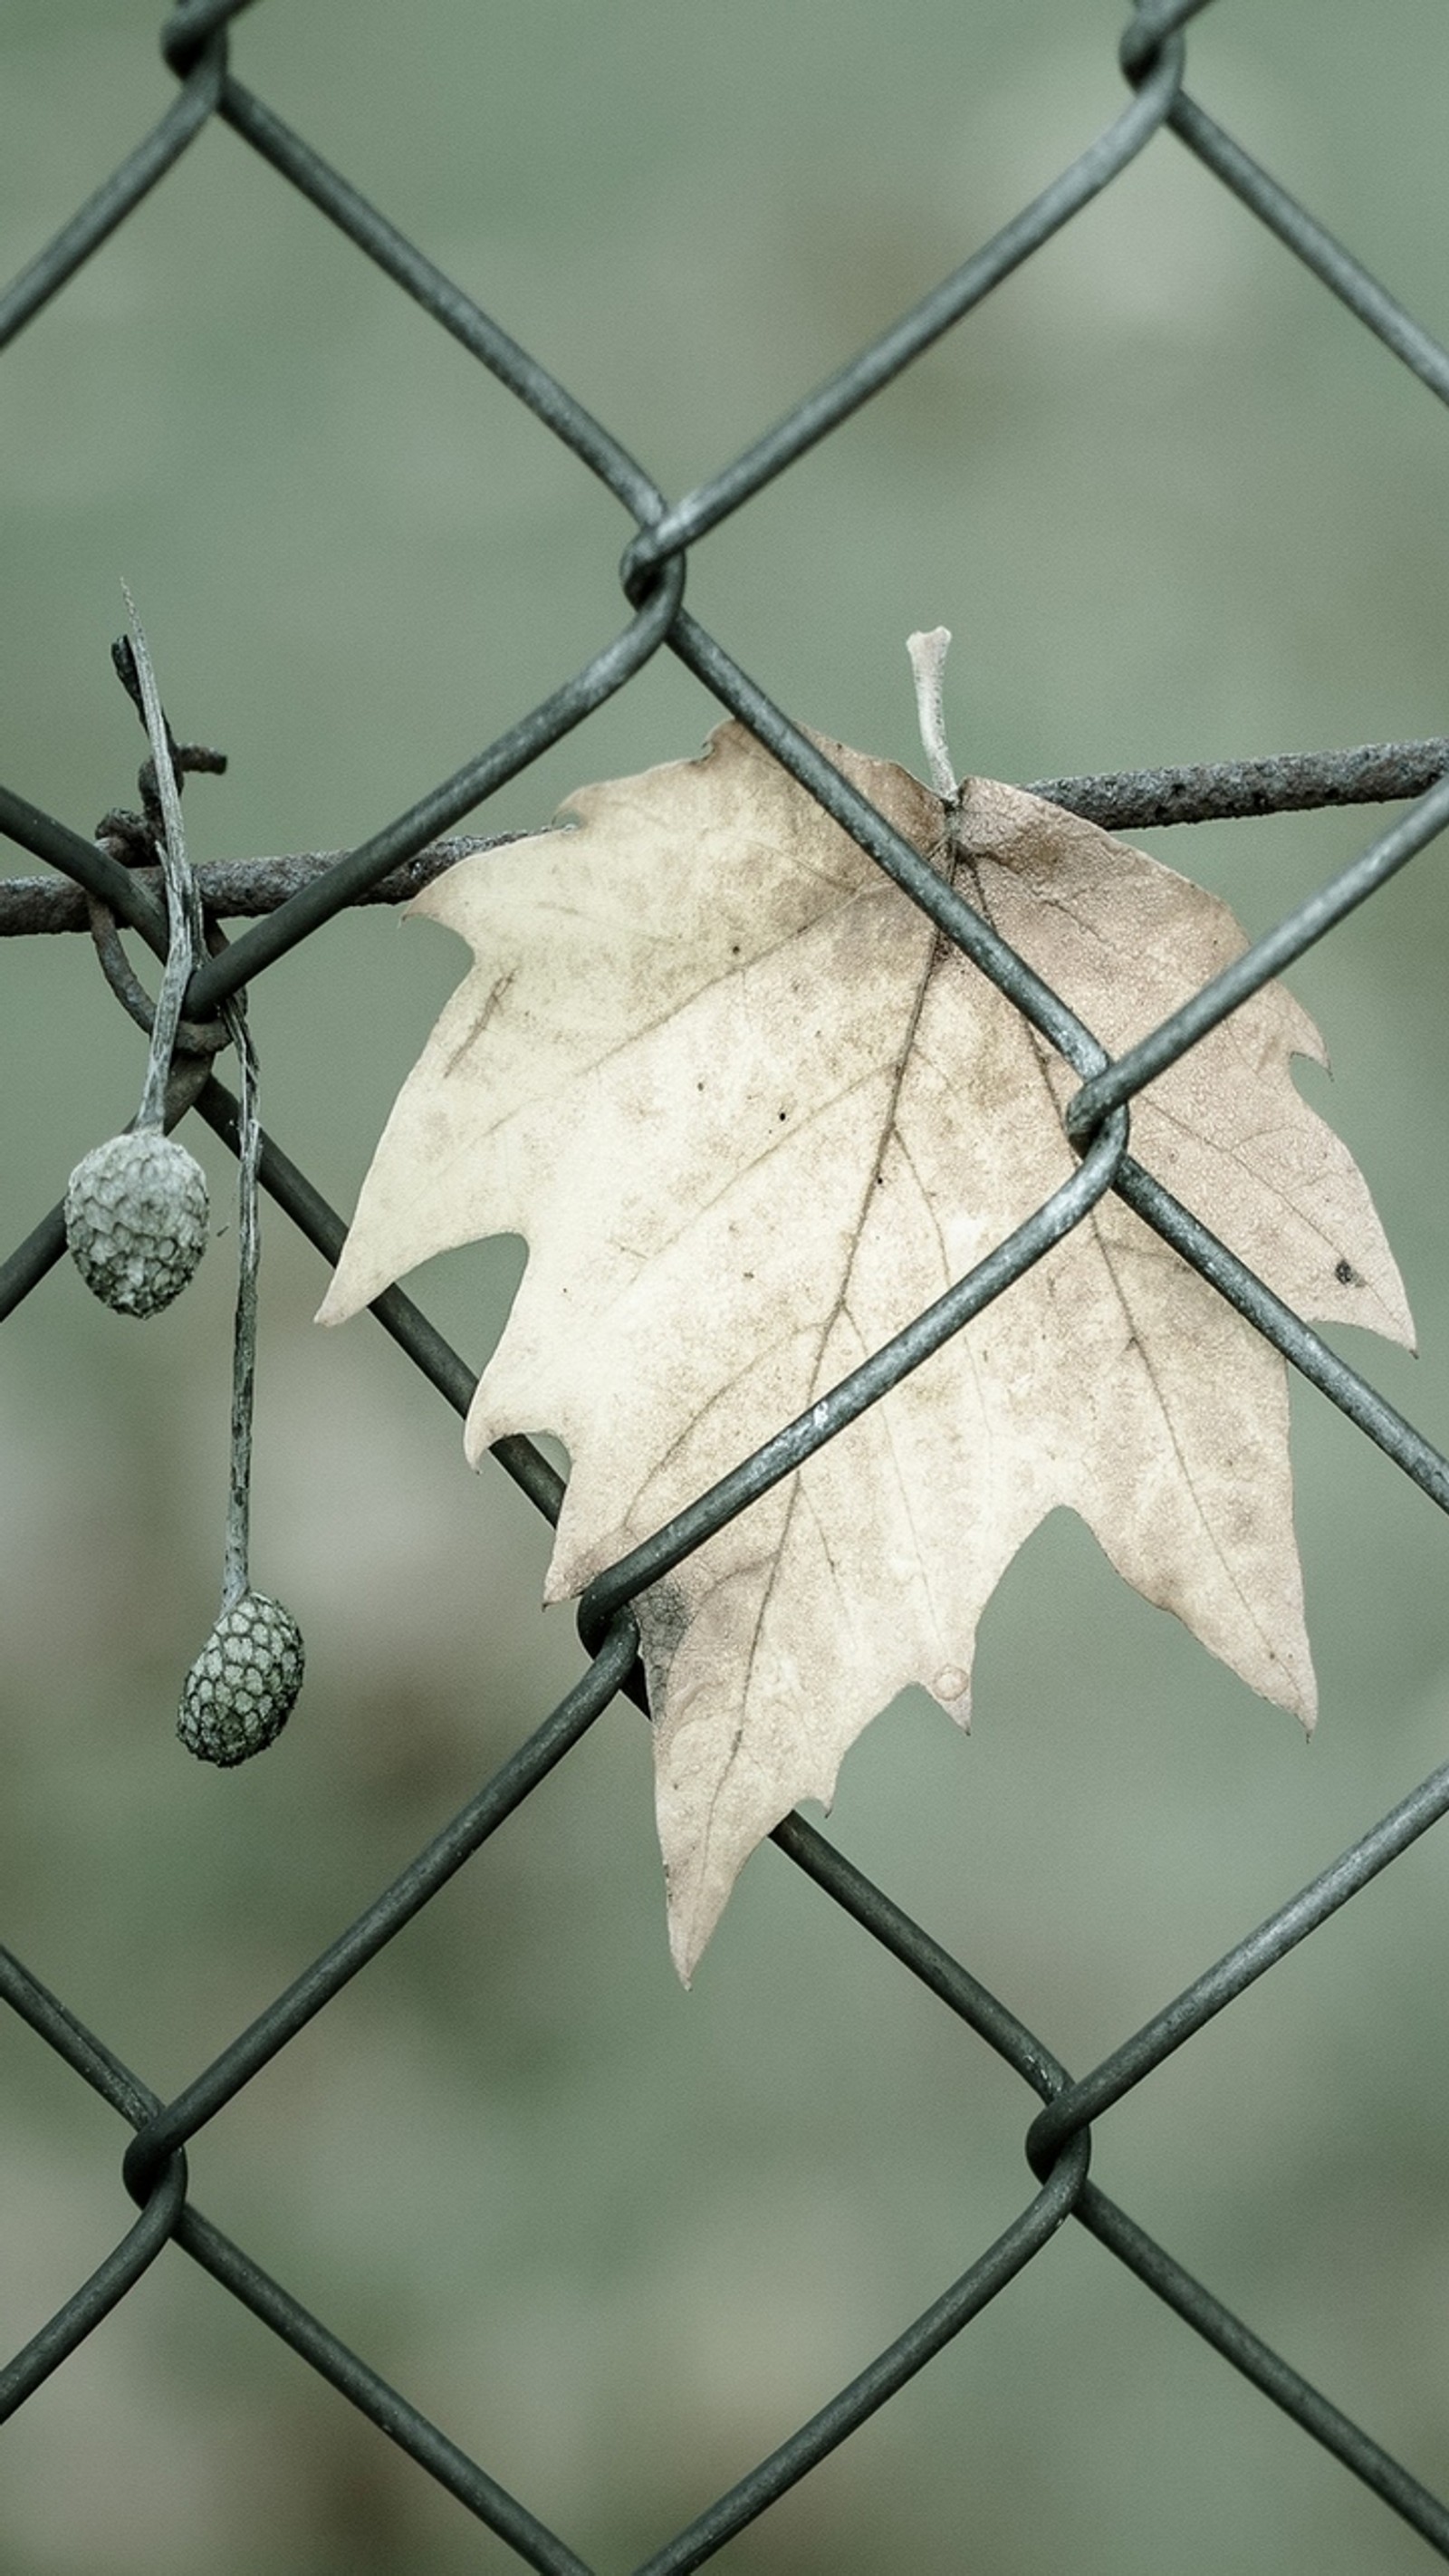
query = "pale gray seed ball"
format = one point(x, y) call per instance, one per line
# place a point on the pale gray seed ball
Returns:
point(243, 1686)
point(135, 1220)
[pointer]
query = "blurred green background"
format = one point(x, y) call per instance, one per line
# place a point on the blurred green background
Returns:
point(1176, 505)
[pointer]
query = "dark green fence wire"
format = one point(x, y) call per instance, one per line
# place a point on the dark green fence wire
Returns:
point(291, 900)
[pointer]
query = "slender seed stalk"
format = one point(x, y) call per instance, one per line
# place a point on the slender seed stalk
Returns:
point(183, 903)
point(235, 1574)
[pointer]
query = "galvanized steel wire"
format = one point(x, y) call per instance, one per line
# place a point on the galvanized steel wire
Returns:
point(292, 899)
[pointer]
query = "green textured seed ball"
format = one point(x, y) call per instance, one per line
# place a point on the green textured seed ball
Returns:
point(135, 1221)
point(243, 1686)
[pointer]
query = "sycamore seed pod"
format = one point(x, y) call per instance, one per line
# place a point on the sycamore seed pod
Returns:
point(135, 1220)
point(243, 1686)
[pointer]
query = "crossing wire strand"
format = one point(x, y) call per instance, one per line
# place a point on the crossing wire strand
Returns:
point(195, 44)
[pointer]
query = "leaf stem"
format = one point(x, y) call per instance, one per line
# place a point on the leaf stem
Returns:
point(928, 661)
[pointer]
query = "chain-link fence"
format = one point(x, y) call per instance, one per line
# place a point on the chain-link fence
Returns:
point(294, 901)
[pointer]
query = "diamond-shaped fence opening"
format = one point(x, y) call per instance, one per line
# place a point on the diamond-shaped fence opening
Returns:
point(251, 2071)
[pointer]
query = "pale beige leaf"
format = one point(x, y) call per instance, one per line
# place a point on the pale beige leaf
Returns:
point(752, 1115)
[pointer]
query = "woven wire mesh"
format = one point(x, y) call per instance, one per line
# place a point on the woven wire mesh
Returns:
point(295, 902)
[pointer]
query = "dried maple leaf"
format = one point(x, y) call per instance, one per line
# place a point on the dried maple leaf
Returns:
point(753, 1114)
